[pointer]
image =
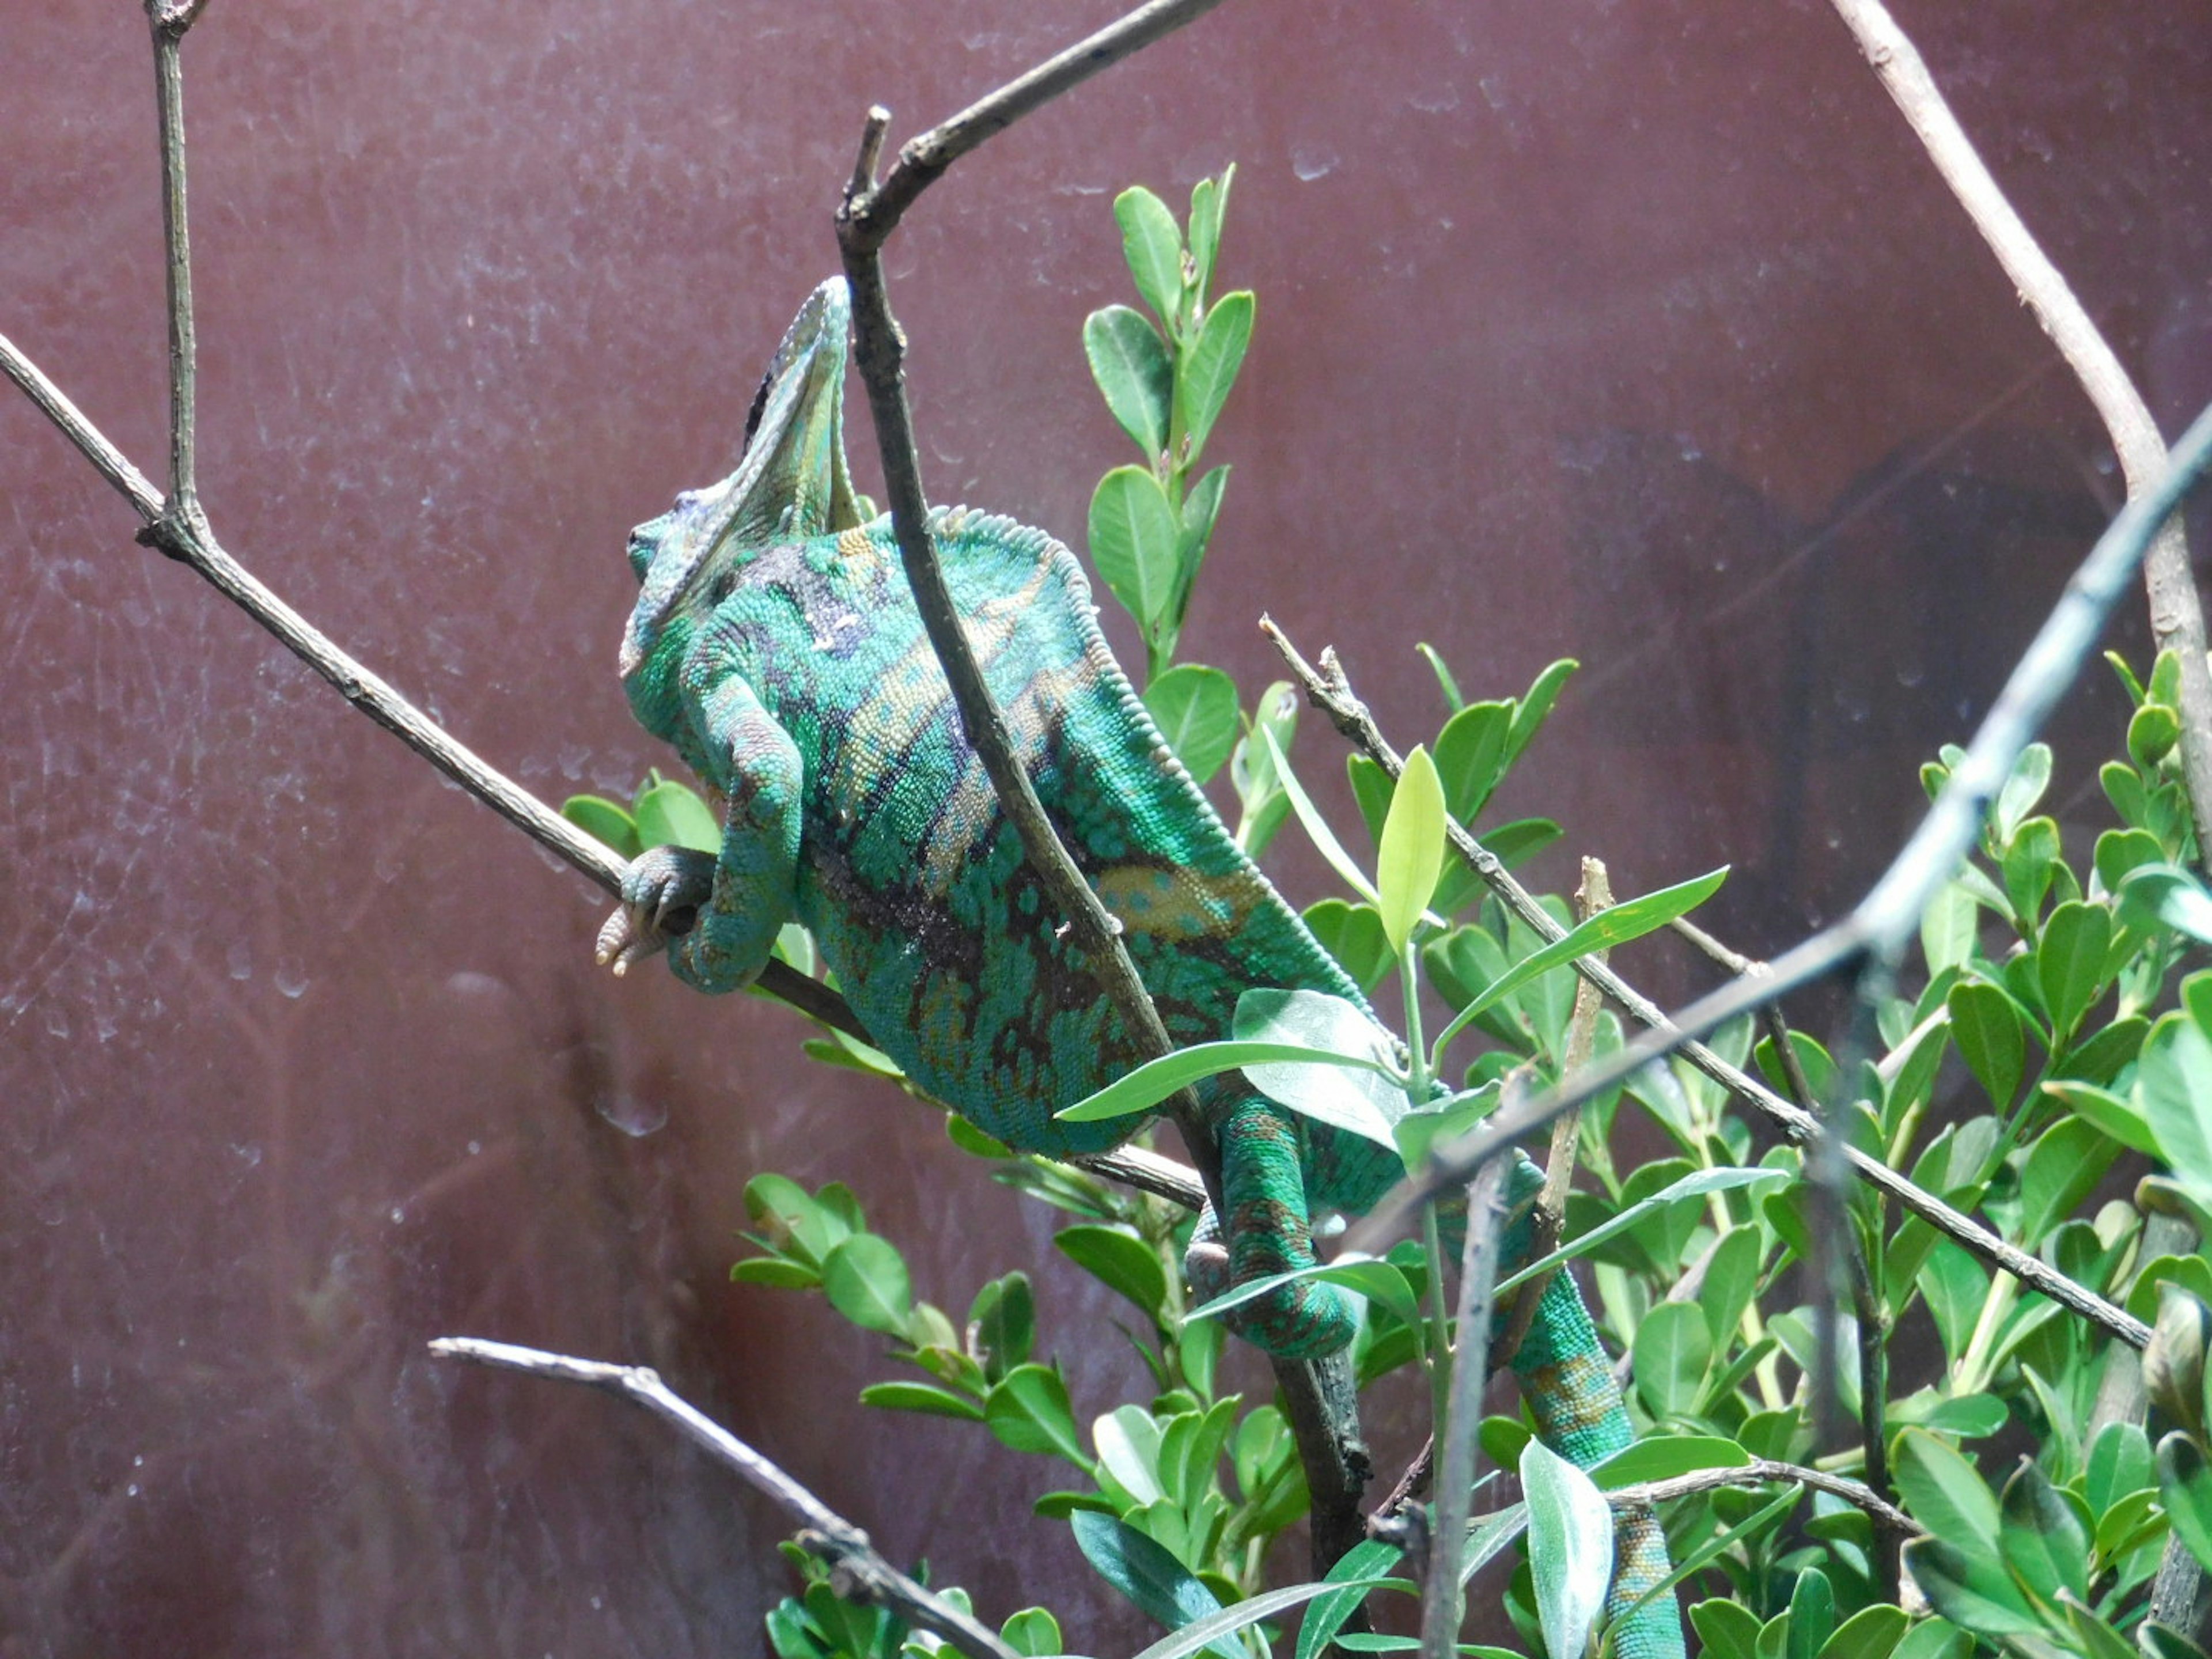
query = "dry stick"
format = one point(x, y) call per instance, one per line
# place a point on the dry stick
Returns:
point(1323, 1406)
point(1881, 924)
point(187, 539)
point(1442, 1601)
point(2177, 613)
point(1888, 1519)
point(857, 1571)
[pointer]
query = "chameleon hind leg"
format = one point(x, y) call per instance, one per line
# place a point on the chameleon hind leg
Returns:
point(1570, 1392)
point(1266, 1231)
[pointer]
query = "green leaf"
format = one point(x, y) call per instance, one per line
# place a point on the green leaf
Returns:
point(1603, 932)
point(1672, 1349)
point(1003, 1320)
point(2116, 1117)
point(1142, 1089)
point(2044, 1542)
point(1970, 1589)
point(1196, 709)
point(1034, 1633)
point(1945, 1494)
point(2152, 733)
point(1413, 849)
point(1209, 202)
point(1348, 1581)
point(1726, 1630)
point(784, 1210)
point(2121, 851)
point(2066, 1162)
point(1128, 1440)
point(1028, 1410)
point(2070, 961)
point(2185, 1485)
point(1153, 248)
point(1134, 374)
point(1471, 756)
point(1133, 542)
point(2120, 1462)
point(1145, 1572)
point(865, 1280)
point(1365, 1097)
point(1950, 928)
point(1870, 1634)
point(1536, 707)
point(2192, 1274)
point(1205, 371)
point(1986, 1025)
point(778, 1273)
point(1201, 507)
point(672, 815)
point(1933, 1638)
point(924, 1397)
point(604, 821)
point(1524, 838)
point(1206, 1633)
point(1812, 1616)
point(1352, 933)
point(2173, 1092)
point(1695, 1185)
point(1661, 1457)
point(2165, 896)
point(1309, 819)
point(2159, 1641)
point(1119, 1259)
point(1454, 701)
point(2031, 776)
point(1569, 1547)
point(1379, 1281)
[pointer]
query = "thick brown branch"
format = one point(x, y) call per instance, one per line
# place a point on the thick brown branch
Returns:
point(861, 1574)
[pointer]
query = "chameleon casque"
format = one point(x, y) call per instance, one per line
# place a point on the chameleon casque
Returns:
point(775, 645)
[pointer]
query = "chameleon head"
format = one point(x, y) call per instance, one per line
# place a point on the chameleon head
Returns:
point(790, 484)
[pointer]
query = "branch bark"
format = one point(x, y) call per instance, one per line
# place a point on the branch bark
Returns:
point(861, 1574)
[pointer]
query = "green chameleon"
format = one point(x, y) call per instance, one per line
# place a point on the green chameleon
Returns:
point(776, 646)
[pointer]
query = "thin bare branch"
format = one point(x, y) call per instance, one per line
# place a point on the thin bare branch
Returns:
point(1442, 1600)
point(1336, 1465)
point(169, 21)
point(1886, 1515)
point(861, 1573)
point(874, 213)
point(2176, 611)
point(191, 542)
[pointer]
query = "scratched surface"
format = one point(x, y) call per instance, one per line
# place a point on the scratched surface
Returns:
point(1641, 333)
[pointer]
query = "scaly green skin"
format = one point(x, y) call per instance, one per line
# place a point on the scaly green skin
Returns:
point(776, 647)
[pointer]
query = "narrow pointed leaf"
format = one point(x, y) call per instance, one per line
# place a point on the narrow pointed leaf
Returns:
point(1413, 849)
point(1206, 371)
point(1569, 1547)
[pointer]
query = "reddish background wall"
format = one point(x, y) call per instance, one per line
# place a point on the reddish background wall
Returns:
point(1640, 332)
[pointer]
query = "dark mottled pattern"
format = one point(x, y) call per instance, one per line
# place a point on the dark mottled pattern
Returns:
point(777, 647)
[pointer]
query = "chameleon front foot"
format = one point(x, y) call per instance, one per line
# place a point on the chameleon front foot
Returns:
point(662, 892)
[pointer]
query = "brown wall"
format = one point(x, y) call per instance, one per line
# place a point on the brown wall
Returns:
point(1637, 331)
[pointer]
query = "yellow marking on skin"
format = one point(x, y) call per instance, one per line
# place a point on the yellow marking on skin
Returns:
point(1175, 904)
point(855, 544)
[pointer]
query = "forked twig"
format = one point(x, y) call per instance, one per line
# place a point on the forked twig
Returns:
point(1329, 1445)
point(859, 1572)
point(1881, 925)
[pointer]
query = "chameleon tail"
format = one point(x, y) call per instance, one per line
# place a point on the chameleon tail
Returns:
point(1579, 1414)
